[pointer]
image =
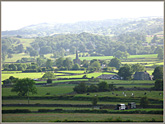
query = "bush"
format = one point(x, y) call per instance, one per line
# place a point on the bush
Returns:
point(144, 102)
point(49, 81)
point(80, 88)
point(84, 77)
point(103, 86)
point(49, 75)
point(92, 88)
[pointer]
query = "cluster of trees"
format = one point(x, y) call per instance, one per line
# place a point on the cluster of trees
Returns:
point(10, 80)
point(100, 87)
point(120, 46)
point(11, 46)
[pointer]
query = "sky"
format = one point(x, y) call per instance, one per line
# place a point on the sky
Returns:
point(15, 15)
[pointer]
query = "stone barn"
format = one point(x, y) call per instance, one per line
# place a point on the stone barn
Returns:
point(131, 105)
point(142, 76)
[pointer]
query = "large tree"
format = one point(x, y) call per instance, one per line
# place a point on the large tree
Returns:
point(80, 88)
point(59, 62)
point(76, 67)
point(68, 63)
point(158, 73)
point(49, 63)
point(48, 75)
point(138, 68)
point(24, 86)
point(115, 62)
point(103, 86)
point(96, 65)
point(119, 54)
point(125, 72)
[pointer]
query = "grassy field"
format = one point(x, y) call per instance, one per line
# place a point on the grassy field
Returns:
point(152, 94)
point(77, 117)
point(25, 42)
point(42, 91)
point(22, 75)
point(143, 56)
point(67, 88)
point(128, 81)
point(110, 57)
point(76, 72)
point(57, 102)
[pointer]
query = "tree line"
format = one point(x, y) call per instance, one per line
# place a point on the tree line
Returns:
point(120, 46)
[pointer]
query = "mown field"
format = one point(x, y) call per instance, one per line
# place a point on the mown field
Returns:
point(78, 117)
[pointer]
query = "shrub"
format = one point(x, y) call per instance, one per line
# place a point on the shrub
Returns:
point(84, 76)
point(49, 75)
point(47, 93)
point(80, 88)
point(92, 88)
point(144, 102)
point(94, 100)
point(49, 81)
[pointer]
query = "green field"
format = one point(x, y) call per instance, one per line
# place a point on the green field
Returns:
point(78, 117)
point(67, 88)
point(76, 72)
point(110, 57)
point(57, 102)
point(22, 75)
point(152, 94)
point(42, 91)
point(25, 42)
point(143, 56)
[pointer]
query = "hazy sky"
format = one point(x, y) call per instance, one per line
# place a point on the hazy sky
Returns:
point(15, 15)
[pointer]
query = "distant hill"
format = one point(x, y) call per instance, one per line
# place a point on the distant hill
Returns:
point(148, 25)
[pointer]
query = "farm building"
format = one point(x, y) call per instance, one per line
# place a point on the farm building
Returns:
point(131, 105)
point(142, 76)
point(107, 76)
point(121, 107)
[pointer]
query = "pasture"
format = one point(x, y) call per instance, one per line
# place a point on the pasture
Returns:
point(79, 117)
